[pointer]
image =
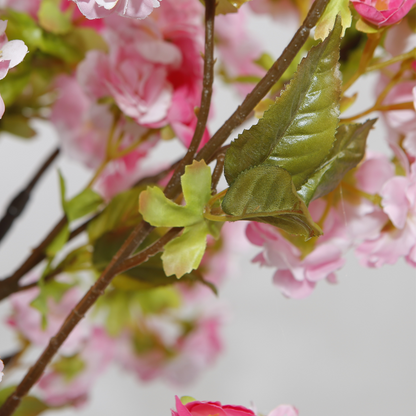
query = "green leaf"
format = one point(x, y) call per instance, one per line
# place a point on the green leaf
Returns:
point(367, 27)
point(160, 211)
point(348, 151)
point(184, 253)
point(158, 299)
point(86, 39)
point(29, 406)
point(58, 242)
point(265, 61)
point(121, 212)
point(297, 132)
point(77, 260)
point(17, 124)
point(82, 204)
point(69, 367)
point(266, 193)
point(326, 22)
point(52, 19)
point(52, 289)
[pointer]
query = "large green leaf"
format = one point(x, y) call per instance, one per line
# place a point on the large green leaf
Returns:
point(348, 150)
point(266, 193)
point(297, 131)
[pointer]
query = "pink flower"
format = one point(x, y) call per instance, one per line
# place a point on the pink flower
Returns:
point(296, 276)
point(238, 49)
point(1, 370)
point(385, 12)
point(397, 239)
point(84, 127)
point(138, 9)
point(30, 7)
point(173, 347)
point(61, 388)
point(11, 54)
point(197, 408)
point(28, 321)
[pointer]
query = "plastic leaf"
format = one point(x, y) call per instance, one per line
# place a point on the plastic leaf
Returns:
point(266, 193)
point(326, 22)
point(82, 204)
point(160, 211)
point(348, 150)
point(184, 253)
point(58, 242)
point(52, 19)
point(297, 132)
point(122, 211)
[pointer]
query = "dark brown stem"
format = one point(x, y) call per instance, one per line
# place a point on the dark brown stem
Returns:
point(172, 188)
point(10, 285)
point(19, 202)
point(216, 175)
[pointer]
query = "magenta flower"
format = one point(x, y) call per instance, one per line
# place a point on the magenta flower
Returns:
point(383, 12)
point(197, 408)
point(137, 9)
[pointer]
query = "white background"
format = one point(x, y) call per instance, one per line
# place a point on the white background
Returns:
point(347, 350)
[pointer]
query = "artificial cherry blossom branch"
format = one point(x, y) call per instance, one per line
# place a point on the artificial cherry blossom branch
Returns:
point(143, 229)
point(18, 204)
point(390, 107)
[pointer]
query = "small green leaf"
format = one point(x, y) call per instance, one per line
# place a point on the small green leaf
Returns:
point(348, 151)
point(266, 193)
point(82, 204)
point(265, 61)
point(17, 124)
point(52, 19)
point(52, 289)
point(77, 260)
point(29, 406)
point(160, 211)
point(366, 27)
point(158, 299)
point(187, 399)
point(297, 132)
point(69, 367)
point(58, 242)
point(121, 212)
point(184, 253)
point(326, 22)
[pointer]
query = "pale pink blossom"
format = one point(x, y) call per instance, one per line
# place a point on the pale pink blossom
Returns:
point(30, 7)
point(84, 127)
point(1, 370)
point(11, 54)
point(138, 9)
point(397, 239)
point(399, 39)
point(59, 388)
point(238, 49)
point(28, 321)
point(171, 351)
point(295, 276)
point(198, 408)
point(284, 410)
point(383, 13)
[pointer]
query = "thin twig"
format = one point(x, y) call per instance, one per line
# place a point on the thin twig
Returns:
point(10, 285)
point(216, 175)
point(150, 251)
point(156, 177)
point(19, 202)
point(171, 189)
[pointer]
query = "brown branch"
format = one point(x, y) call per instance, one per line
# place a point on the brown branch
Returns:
point(150, 251)
point(143, 229)
point(172, 187)
point(148, 180)
point(19, 202)
point(10, 285)
point(216, 175)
